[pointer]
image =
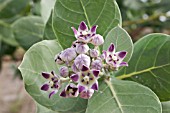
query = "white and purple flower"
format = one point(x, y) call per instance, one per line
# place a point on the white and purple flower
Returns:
point(53, 84)
point(70, 90)
point(115, 59)
point(83, 34)
point(87, 81)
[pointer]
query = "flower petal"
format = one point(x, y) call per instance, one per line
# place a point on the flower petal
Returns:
point(83, 26)
point(63, 93)
point(84, 68)
point(87, 94)
point(75, 32)
point(95, 86)
point(45, 87)
point(111, 48)
point(124, 64)
point(52, 93)
point(95, 73)
point(74, 77)
point(81, 88)
point(46, 75)
point(122, 54)
point(93, 29)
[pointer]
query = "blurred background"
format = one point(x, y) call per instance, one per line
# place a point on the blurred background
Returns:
point(140, 17)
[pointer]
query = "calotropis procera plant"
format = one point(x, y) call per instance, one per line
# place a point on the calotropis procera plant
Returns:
point(83, 65)
point(94, 70)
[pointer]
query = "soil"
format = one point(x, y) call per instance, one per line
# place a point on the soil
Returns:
point(13, 97)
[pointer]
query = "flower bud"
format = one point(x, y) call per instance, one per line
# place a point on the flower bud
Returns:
point(64, 72)
point(103, 55)
point(94, 53)
point(82, 48)
point(97, 64)
point(97, 40)
point(74, 68)
point(58, 59)
point(81, 60)
point(68, 54)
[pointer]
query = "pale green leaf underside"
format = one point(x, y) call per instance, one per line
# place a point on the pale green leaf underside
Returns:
point(124, 97)
point(150, 64)
point(42, 109)
point(121, 40)
point(40, 58)
point(166, 107)
point(28, 30)
point(69, 13)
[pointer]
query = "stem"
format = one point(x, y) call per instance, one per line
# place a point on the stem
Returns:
point(141, 21)
point(65, 79)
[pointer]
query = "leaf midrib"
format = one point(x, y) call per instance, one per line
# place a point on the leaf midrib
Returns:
point(142, 71)
point(114, 95)
point(85, 13)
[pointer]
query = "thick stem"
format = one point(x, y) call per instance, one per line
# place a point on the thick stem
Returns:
point(65, 79)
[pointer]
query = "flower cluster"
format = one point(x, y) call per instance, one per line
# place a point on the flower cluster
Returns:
point(83, 65)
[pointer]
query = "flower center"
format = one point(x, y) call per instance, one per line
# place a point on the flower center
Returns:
point(86, 78)
point(51, 83)
point(84, 33)
point(114, 57)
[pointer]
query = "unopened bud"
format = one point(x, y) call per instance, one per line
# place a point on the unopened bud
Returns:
point(94, 53)
point(68, 54)
point(97, 64)
point(82, 48)
point(97, 40)
point(64, 72)
point(81, 60)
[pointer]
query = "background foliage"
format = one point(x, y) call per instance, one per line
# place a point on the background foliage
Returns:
point(26, 22)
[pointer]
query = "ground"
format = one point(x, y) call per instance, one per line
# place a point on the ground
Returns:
point(13, 97)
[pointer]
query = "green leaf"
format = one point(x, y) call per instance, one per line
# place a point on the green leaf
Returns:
point(150, 64)
point(40, 58)
point(121, 39)
point(28, 30)
point(104, 13)
point(10, 8)
point(42, 109)
point(124, 97)
point(48, 31)
point(46, 8)
point(166, 107)
point(6, 34)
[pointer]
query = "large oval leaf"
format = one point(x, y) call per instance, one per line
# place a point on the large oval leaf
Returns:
point(39, 58)
point(6, 34)
point(10, 8)
point(68, 13)
point(48, 31)
point(150, 64)
point(121, 39)
point(124, 97)
point(46, 8)
point(28, 30)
